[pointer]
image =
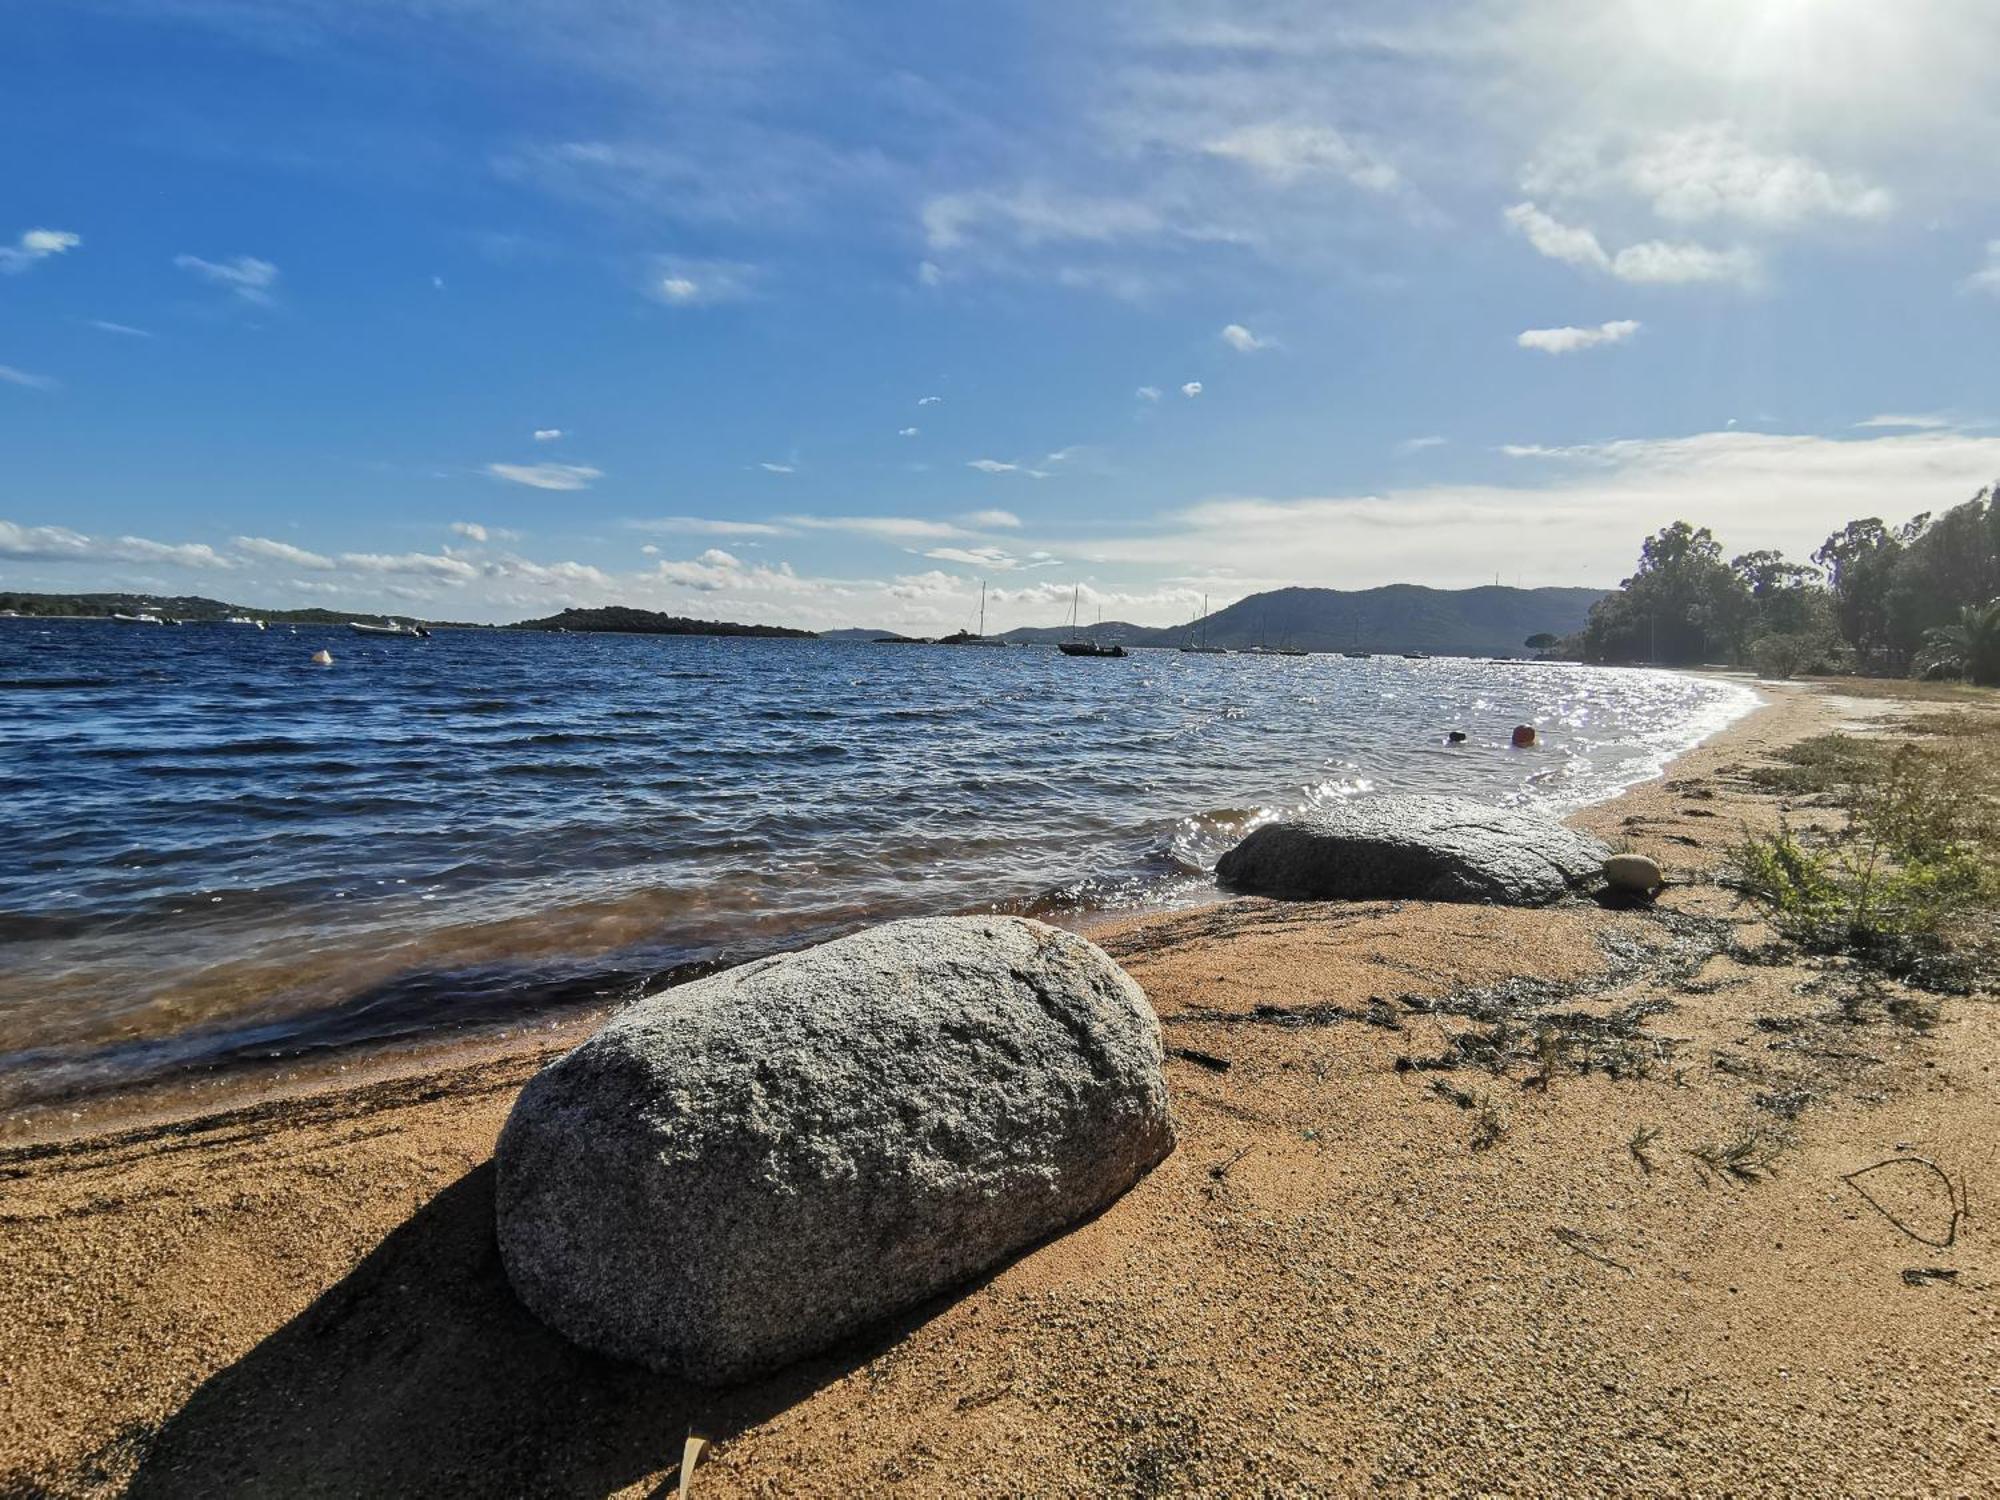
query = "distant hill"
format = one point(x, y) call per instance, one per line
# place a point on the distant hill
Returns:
point(1487, 621)
point(623, 620)
point(191, 607)
point(861, 635)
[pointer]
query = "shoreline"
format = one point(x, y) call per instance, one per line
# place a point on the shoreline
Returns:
point(1330, 1285)
point(192, 1092)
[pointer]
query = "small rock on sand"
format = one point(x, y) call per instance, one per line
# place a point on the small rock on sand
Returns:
point(744, 1170)
point(1633, 875)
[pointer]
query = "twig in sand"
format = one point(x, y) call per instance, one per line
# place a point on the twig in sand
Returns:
point(1221, 1169)
point(1953, 1194)
point(1642, 1138)
point(1206, 1060)
point(1573, 1239)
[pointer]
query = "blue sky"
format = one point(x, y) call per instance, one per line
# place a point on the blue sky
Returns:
point(822, 314)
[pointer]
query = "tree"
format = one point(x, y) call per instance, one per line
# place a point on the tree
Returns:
point(1683, 605)
point(1542, 640)
point(1860, 562)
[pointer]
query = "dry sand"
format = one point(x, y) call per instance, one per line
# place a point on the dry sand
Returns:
point(1351, 1275)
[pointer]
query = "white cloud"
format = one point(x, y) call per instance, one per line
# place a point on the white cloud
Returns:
point(907, 432)
point(1658, 262)
point(1707, 171)
point(1419, 444)
point(412, 564)
point(992, 466)
point(992, 520)
point(1570, 340)
point(1654, 261)
point(650, 550)
point(703, 526)
point(105, 325)
point(548, 434)
point(60, 544)
point(9, 375)
point(1927, 421)
point(716, 572)
point(996, 558)
point(698, 283)
point(1580, 519)
point(245, 275)
point(1191, 389)
point(549, 575)
point(472, 531)
point(1286, 153)
point(284, 552)
point(1148, 393)
point(1558, 241)
point(929, 400)
point(547, 476)
point(1987, 277)
point(33, 246)
point(770, 468)
point(1242, 340)
point(930, 273)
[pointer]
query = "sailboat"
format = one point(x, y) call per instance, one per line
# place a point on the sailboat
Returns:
point(1078, 645)
point(1196, 643)
point(966, 638)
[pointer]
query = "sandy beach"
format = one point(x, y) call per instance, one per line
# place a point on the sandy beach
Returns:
point(1394, 1249)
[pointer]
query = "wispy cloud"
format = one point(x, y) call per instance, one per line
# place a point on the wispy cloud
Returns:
point(12, 376)
point(1000, 520)
point(547, 476)
point(991, 466)
point(35, 246)
point(1702, 172)
point(548, 434)
point(704, 526)
point(126, 330)
point(284, 552)
point(908, 432)
point(929, 400)
point(1926, 421)
point(1191, 389)
point(771, 468)
point(412, 564)
point(1242, 340)
point(1419, 444)
point(883, 528)
point(244, 275)
point(1287, 153)
point(1148, 393)
point(1571, 340)
point(1987, 277)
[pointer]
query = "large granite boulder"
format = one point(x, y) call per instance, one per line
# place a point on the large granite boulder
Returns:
point(741, 1171)
point(1417, 848)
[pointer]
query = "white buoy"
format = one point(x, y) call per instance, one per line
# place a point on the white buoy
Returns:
point(322, 657)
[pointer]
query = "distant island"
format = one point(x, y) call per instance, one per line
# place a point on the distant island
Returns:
point(1489, 621)
point(623, 620)
point(194, 609)
point(1486, 621)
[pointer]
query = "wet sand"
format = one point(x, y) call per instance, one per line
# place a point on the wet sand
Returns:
point(1359, 1270)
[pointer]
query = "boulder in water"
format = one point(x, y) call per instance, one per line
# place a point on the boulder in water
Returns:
point(743, 1170)
point(1415, 847)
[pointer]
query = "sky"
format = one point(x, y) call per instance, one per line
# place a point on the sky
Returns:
point(824, 315)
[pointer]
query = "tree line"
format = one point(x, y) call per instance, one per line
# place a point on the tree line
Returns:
point(1919, 599)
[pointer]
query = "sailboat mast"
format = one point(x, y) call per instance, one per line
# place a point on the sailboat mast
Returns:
point(982, 609)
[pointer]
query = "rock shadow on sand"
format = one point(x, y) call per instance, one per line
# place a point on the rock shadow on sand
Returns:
point(421, 1374)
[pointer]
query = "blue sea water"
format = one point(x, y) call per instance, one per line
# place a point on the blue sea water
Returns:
point(214, 851)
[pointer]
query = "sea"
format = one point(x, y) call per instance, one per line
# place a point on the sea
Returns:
point(215, 853)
